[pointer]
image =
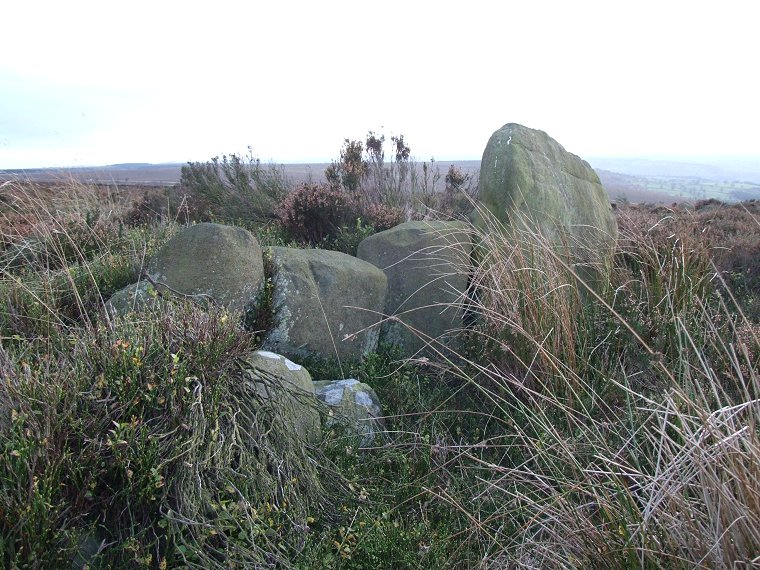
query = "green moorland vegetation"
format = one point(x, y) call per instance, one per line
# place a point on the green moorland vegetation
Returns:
point(616, 429)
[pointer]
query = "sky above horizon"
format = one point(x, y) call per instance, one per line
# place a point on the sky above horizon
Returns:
point(94, 83)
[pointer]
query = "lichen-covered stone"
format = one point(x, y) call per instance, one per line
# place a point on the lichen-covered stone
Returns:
point(353, 404)
point(214, 261)
point(324, 304)
point(427, 265)
point(527, 175)
point(289, 386)
point(132, 298)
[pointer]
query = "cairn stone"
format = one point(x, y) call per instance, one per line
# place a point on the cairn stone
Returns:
point(325, 304)
point(133, 298)
point(354, 405)
point(289, 386)
point(427, 265)
point(211, 261)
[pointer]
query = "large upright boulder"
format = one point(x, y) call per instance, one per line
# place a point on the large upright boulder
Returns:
point(527, 175)
point(214, 261)
point(324, 304)
point(427, 266)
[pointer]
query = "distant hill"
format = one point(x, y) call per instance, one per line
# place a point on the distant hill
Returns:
point(133, 173)
point(632, 189)
point(131, 165)
point(633, 179)
point(663, 180)
point(719, 169)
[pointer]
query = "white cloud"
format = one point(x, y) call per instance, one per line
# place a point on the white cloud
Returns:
point(175, 81)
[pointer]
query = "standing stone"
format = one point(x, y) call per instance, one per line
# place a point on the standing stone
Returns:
point(324, 304)
point(211, 260)
point(427, 264)
point(525, 173)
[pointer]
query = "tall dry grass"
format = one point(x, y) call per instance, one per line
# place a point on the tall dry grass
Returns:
point(633, 415)
point(60, 252)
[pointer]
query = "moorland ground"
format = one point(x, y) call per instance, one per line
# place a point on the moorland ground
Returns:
point(633, 180)
point(608, 430)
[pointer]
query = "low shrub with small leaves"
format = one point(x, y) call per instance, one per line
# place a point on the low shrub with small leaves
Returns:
point(348, 238)
point(315, 212)
point(382, 217)
point(233, 188)
point(142, 435)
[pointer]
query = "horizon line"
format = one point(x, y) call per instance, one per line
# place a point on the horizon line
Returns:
point(652, 157)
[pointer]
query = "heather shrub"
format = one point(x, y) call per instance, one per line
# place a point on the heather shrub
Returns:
point(350, 170)
point(233, 188)
point(398, 182)
point(315, 212)
point(159, 205)
point(459, 192)
point(382, 217)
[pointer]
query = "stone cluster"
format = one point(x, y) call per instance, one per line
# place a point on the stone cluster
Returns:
point(407, 287)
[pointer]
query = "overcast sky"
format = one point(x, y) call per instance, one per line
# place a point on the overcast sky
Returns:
point(87, 83)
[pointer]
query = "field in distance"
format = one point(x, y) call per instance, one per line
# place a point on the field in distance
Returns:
point(632, 179)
